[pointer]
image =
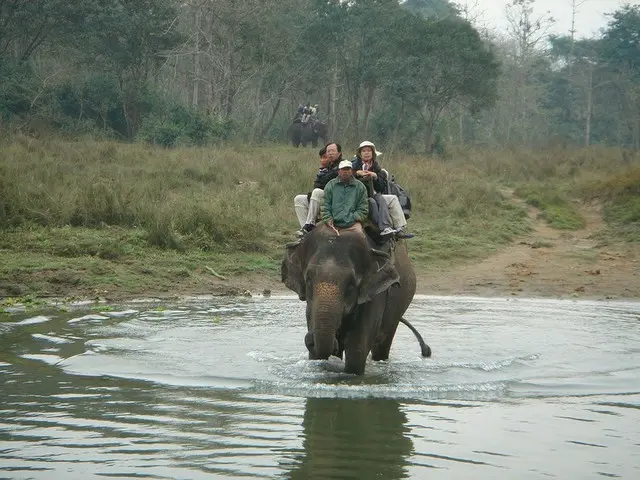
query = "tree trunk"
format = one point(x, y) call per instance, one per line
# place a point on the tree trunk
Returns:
point(367, 109)
point(196, 60)
point(267, 127)
point(333, 88)
point(587, 126)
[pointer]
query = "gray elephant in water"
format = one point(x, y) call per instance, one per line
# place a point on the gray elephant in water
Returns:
point(356, 294)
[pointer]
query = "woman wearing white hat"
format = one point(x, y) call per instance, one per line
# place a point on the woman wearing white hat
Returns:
point(366, 167)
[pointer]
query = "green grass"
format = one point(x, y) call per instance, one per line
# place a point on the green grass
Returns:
point(556, 208)
point(92, 216)
point(620, 195)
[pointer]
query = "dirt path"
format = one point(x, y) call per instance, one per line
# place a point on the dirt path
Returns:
point(547, 263)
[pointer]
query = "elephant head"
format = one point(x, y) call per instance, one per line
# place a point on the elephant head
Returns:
point(320, 129)
point(342, 279)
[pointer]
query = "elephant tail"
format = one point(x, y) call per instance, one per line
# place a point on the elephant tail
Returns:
point(426, 351)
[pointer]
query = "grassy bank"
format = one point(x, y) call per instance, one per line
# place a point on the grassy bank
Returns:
point(96, 217)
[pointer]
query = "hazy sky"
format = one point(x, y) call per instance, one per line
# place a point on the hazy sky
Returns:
point(590, 16)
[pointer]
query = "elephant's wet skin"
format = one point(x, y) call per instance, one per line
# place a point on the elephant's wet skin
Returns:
point(356, 295)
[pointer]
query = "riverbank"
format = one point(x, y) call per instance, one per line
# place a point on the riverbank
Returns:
point(102, 220)
point(544, 262)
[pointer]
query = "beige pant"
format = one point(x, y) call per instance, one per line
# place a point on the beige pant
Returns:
point(308, 210)
point(395, 211)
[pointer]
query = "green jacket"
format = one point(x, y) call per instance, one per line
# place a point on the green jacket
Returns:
point(345, 203)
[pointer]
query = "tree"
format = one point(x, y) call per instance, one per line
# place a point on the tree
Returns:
point(431, 8)
point(130, 38)
point(439, 63)
point(27, 25)
point(621, 48)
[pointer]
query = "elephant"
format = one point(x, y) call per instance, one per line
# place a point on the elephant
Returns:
point(308, 132)
point(356, 294)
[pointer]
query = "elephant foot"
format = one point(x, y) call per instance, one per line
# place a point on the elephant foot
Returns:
point(355, 362)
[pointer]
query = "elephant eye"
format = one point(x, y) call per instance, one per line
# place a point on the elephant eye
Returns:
point(309, 280)
point(350, 286)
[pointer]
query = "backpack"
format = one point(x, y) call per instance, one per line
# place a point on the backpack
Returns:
point(394, 188)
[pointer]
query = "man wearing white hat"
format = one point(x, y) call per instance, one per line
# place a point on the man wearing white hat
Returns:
point(346, 202)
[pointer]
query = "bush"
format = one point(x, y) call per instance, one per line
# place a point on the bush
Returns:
point(183, 126)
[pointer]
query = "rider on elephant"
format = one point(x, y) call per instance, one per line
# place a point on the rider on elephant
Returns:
point(346, 202)
point(307, 206)
point(368, 170)
point(391, 218)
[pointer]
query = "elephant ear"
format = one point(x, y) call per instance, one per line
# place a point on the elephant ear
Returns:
point(291, 270)
point(380, 276)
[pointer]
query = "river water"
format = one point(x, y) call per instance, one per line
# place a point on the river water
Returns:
point(222, 388)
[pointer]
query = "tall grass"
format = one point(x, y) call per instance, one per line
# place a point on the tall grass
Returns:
point(195, 196)
point(241, 198)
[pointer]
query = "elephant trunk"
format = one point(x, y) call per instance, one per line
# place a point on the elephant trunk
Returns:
point(326, 316)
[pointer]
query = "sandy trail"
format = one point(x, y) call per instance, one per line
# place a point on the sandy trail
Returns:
point(546, 263)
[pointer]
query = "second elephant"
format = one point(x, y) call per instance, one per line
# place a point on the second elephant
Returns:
point(309, 132)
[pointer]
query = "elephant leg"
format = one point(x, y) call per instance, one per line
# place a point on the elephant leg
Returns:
point(355, 352)
point(382, 345)
point(360, 335)
point(296, 134)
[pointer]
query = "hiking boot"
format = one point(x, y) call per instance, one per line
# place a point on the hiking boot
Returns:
point(308, 227)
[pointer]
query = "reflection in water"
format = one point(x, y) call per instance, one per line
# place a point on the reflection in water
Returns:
point(353, 438)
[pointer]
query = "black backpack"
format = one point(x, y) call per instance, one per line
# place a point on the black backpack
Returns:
point(394, 188)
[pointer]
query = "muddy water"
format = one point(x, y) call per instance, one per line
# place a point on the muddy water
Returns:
point(221, 388)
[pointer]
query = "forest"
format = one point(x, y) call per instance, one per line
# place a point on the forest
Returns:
point(413, 75)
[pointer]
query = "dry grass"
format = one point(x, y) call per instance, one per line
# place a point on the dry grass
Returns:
point(127, 203)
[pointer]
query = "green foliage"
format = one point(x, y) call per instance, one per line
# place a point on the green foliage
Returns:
point(437, 63)
point(407, 73)
point(16, 80)
point(28, 25)
point(555, 208)
point(182, 126)
point(620, 194)
point(621, 43)
point(431, 8)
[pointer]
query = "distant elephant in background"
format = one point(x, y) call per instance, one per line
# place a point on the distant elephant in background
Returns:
point(309, 132)
point(356, 295)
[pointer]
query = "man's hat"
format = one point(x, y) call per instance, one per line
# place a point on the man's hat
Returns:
point(344, 164)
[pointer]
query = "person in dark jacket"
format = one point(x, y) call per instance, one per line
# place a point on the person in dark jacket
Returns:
point(307, 206)
point(386, 210)
point(368, 171)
